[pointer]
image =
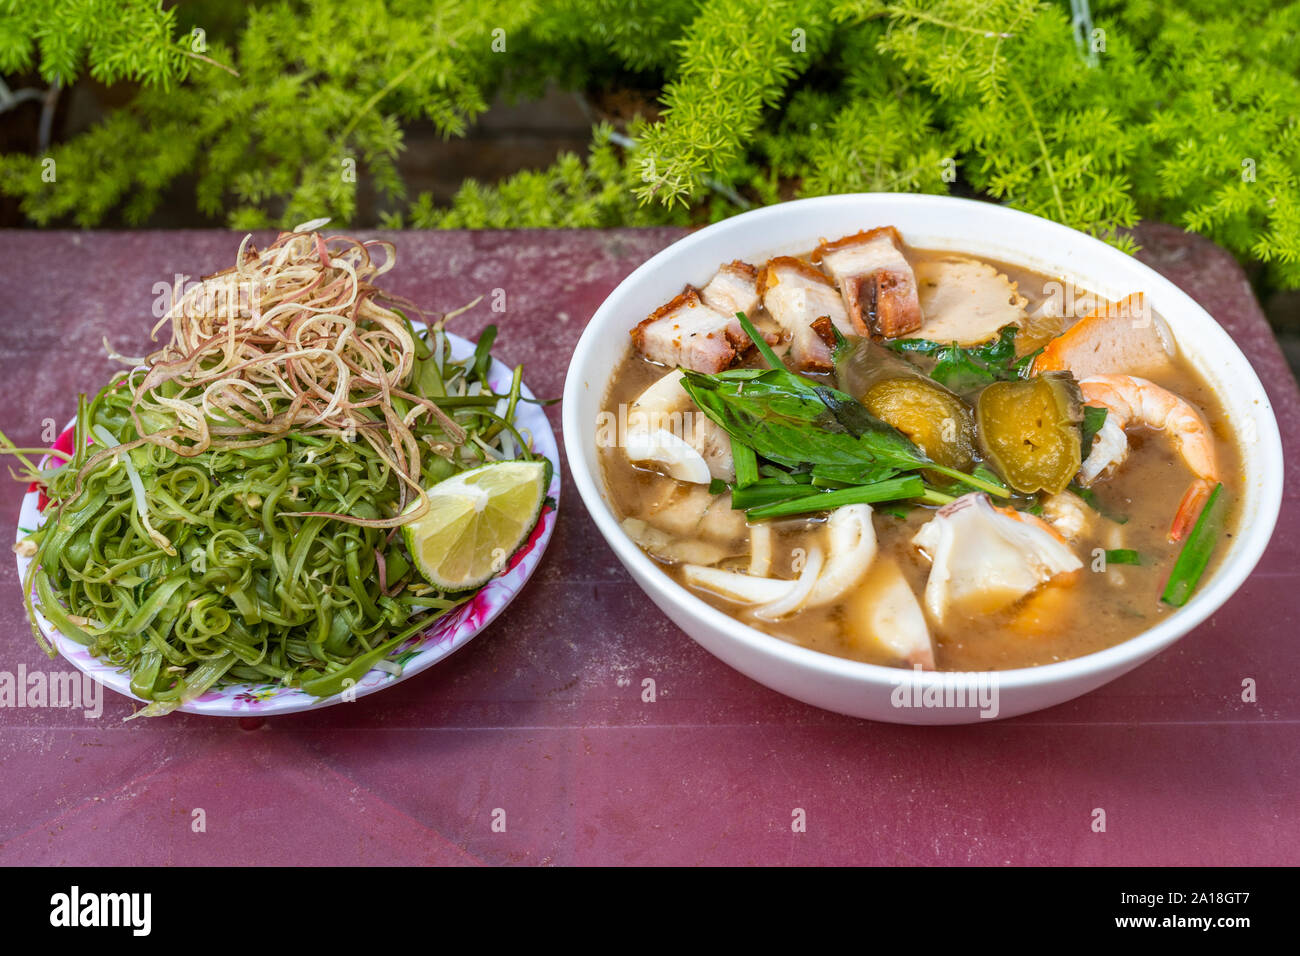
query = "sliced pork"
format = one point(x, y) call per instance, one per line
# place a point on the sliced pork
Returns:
point(733, 289)
point(797, 296)
point(876, 280)
point(688, 334)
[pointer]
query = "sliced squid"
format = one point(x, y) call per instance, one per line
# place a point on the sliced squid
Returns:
point(800, 591)
point(822, 580)
point(735, 586)
point(666, 406)
point(966, 301)
point(985, 558)
point(852, 548)
point(797, 296)
point(734, 288)
point(876, 280)
point(886, 613)
point(662, 405)
point(674, 455)
point(688, 334)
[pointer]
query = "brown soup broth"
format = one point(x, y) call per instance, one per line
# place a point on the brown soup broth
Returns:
point(1100, 610)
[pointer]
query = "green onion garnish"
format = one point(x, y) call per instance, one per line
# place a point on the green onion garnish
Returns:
point(1197, 550)
point(891, 489)
point(746, 464)
point(768, 492)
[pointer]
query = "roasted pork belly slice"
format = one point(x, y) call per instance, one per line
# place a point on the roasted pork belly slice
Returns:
point(687, 333)
point(734, 288)
point(876, 281)
point(797, 295)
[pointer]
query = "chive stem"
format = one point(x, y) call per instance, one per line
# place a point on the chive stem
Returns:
point(760, 343)
point(746, 463)
point(891, 489)
point(1195, 555)
point(980, 484)
point(933, 496)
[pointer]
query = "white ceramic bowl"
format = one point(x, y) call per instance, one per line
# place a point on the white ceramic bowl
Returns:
point(934, 223)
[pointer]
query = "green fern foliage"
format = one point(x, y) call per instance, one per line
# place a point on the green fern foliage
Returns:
point(275, 113)
point(111, 40)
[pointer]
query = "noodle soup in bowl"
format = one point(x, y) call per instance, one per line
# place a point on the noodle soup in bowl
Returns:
point(980, 599)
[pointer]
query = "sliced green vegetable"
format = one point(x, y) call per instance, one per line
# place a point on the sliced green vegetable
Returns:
point(231, 563)
point(746, 464)
point(935, 419)
point(769, 491)
point(892, 489)
point(1123, 556)
point(1030, 431)
point(933, 496)
point(1197, 550)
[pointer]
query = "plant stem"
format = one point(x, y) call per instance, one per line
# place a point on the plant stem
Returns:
point(891, 489)
point(973, 480)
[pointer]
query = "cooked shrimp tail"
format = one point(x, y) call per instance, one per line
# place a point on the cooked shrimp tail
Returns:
point(1131, 401)
point(1190, 508)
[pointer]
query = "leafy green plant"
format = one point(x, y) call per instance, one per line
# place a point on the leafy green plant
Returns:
point(1185, 111)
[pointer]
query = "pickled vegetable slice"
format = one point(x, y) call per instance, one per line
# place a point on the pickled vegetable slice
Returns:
point(1031, 431)
point(934, 419)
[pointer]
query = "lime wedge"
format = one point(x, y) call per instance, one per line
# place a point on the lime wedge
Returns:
point(475, 521)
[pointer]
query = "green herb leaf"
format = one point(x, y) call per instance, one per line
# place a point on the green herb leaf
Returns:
point(759, 342)
point(793, 422)
point(1094, 416)
point(483, 353)
point(888, 444)
point(964, 370)
point(786, 420)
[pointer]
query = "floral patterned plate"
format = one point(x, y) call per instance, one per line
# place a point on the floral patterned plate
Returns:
point(445, 635)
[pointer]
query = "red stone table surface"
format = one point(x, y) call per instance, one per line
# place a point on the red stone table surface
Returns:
point(542, 715)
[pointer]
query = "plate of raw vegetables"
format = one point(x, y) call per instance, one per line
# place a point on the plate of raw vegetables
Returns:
point(310, 492)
